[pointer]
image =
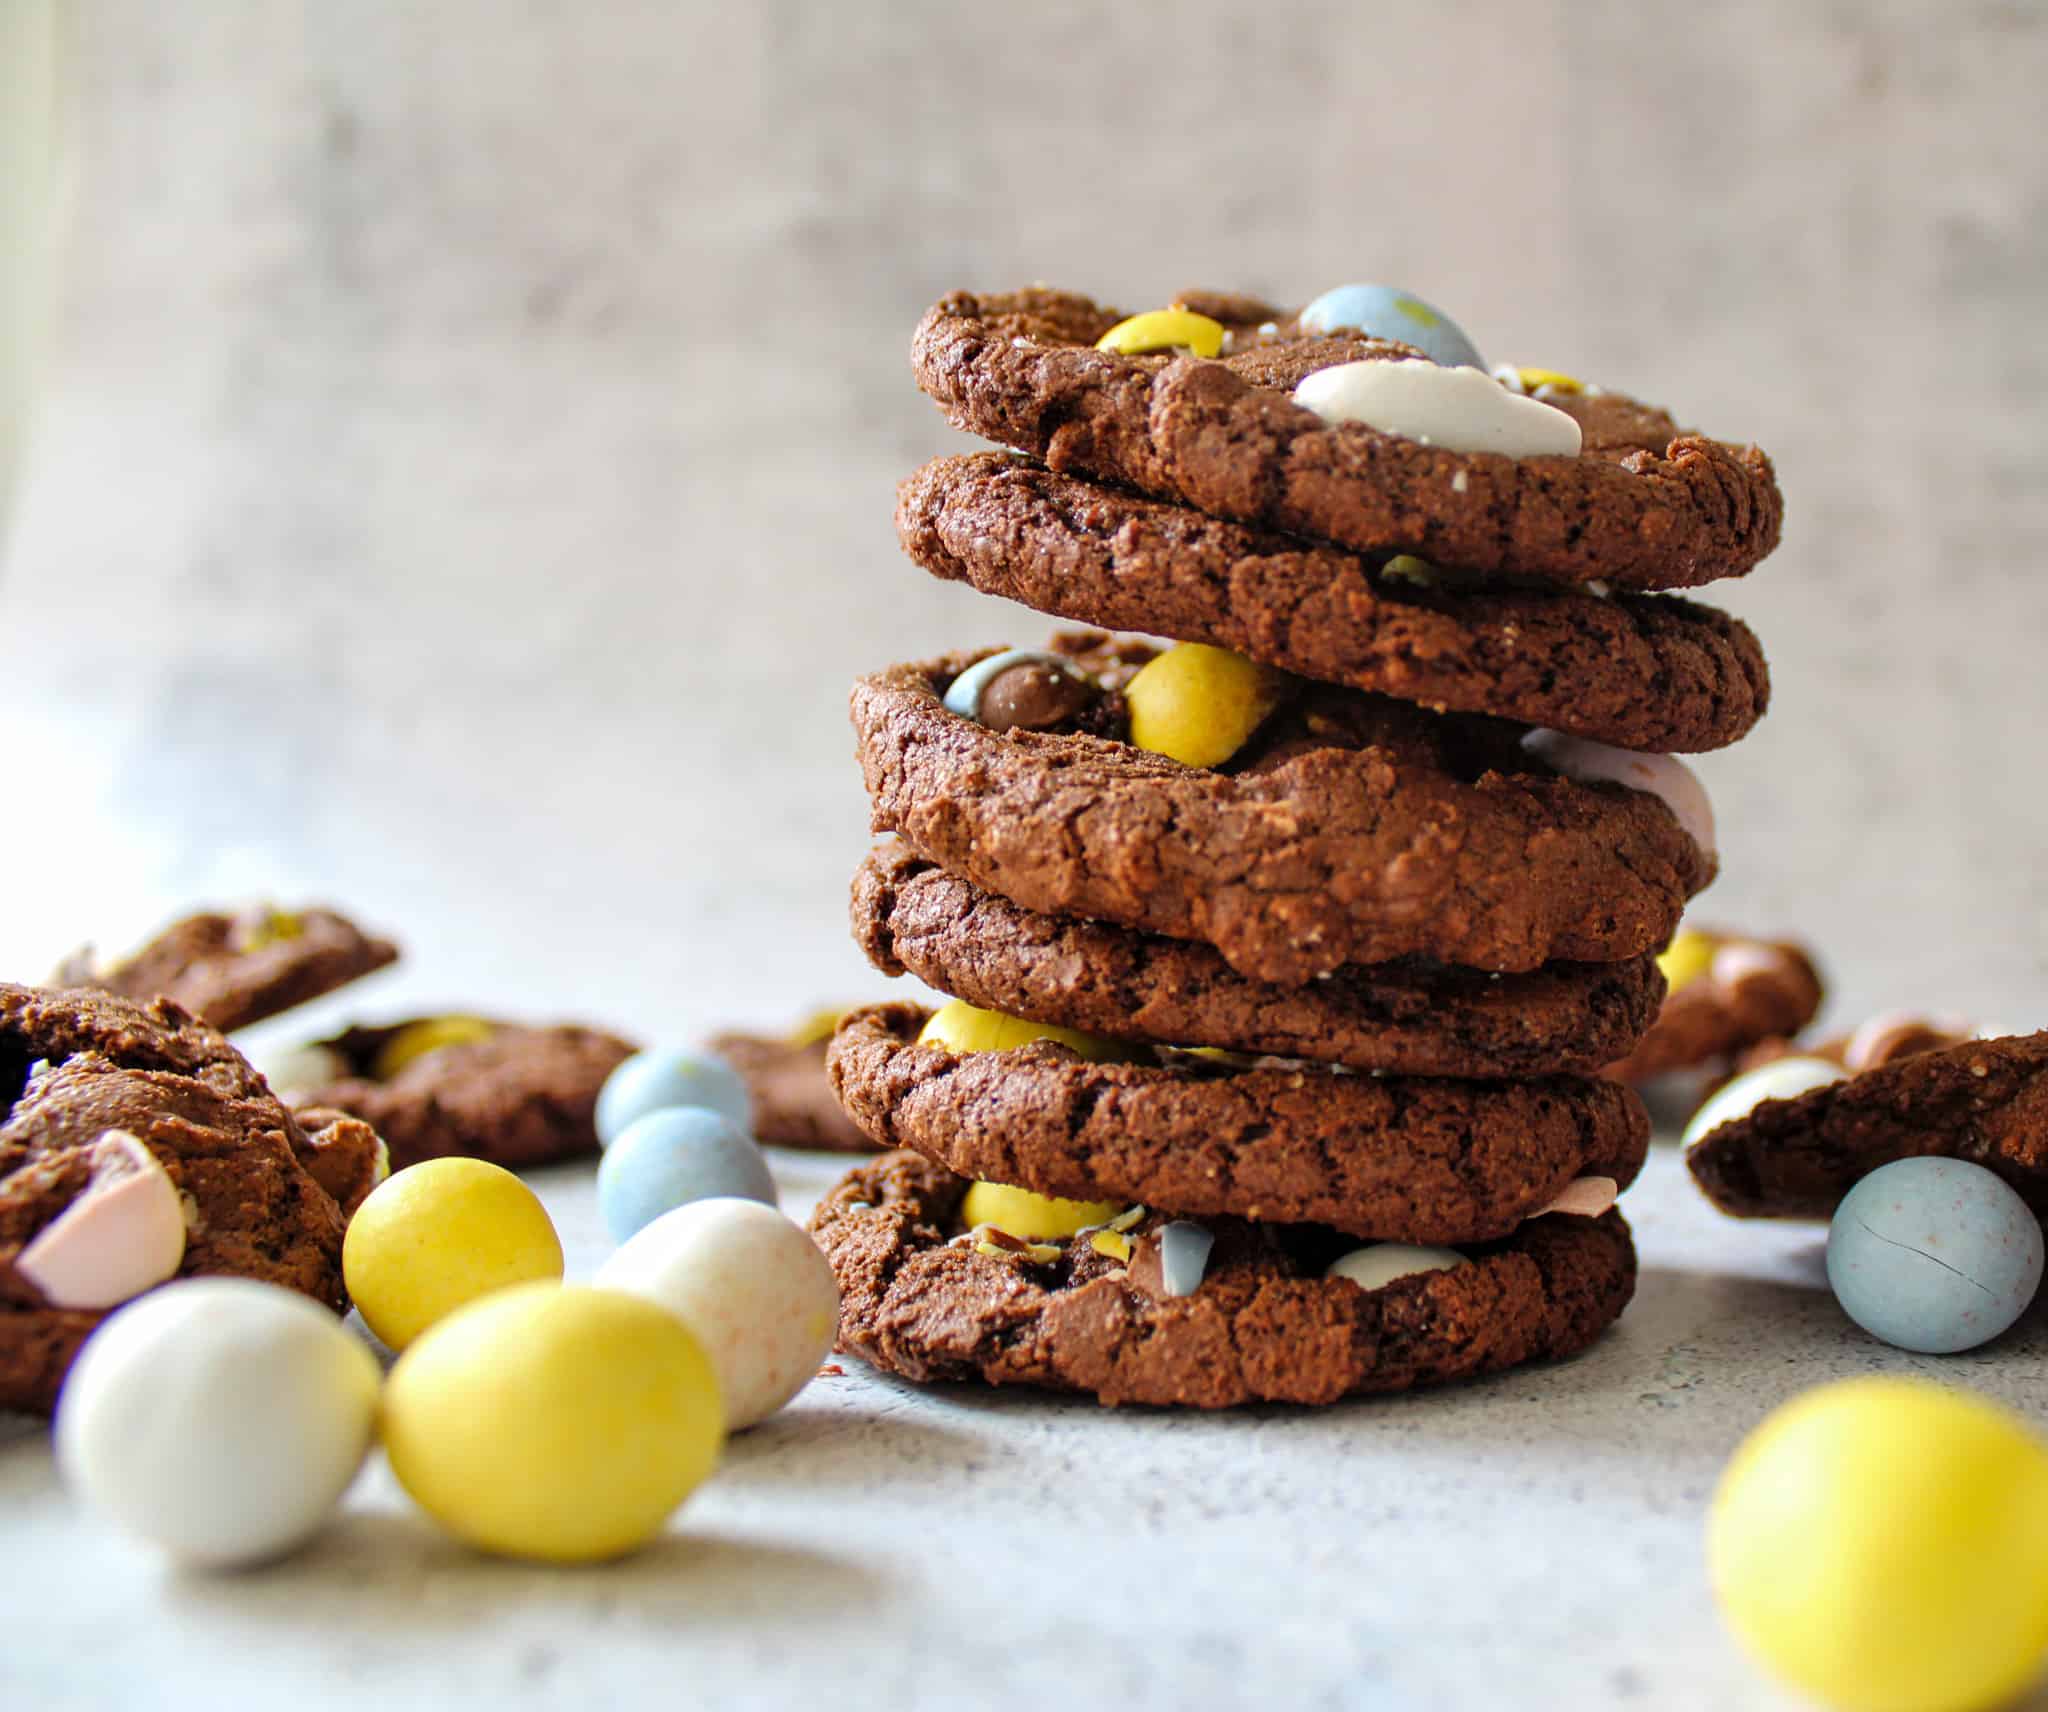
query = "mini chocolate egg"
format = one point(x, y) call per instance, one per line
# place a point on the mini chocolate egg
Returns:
point(1020, 688)
point(218, 1418)
point(1460, 410)
point(1664, 777)
point(1199, 705)
point(1378, 1264)
point(1384, 312)
point(1781, 1079)
point(430, 1034)
point(1029, 1216)
point(122, 1234)
point(961, 1027)
point(670, 1158)
point(752, 1287)
point(661, 1077)
point(1934, 1255)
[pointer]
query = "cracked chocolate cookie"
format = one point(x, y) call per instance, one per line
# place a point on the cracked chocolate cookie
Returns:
point(793, 1102)
point(1640, 671)
point(1728, 994)
point(1398, 1158)
point(1355, 829)
point(1985, 1101)
point(1263, 1325)
point(231, 970)
point(1644, 504)
point(107, 1100)
point(507, 1092)
point(1416, 1019)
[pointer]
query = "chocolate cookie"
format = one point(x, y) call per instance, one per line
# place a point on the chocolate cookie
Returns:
point(1750, 991)
point(1359, 830)
point(75, 1066)
point(1875, 1042)
point(1985, 1101)
point(1644, 505)
point(1415, 1019)
point(1641, 671)
point(1386, 1157)
point(233, 970)
point(506, 1092)
point(1264, 1325)
point(794, 1105)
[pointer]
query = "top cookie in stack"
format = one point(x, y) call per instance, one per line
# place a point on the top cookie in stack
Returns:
point(1400, 802)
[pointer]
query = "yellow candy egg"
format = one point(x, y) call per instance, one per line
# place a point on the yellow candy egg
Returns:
point(961, 1027)
point(430, 1034)
point(1533, 378)
point(436, 1236)
point(1882, 1544)
point(1199, 705)
point(554, 1421)
point(1029, 1217)
point(819, 1025)
point(1164, 330)
point(1689, 955)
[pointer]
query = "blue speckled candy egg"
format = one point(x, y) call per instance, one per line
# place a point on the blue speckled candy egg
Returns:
point(670, 1158)
point(1934, 1255)
point(661, 1077)
point(1385, 312)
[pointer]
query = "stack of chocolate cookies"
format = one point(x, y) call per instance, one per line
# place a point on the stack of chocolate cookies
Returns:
point(1284, 959)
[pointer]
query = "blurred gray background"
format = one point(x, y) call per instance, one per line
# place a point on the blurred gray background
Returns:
point(464, 487)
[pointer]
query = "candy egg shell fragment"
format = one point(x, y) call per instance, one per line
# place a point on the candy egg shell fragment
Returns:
point(1032, 1217)
point(1459, 409)
point(1665, 777)
point(1164, 330)
point(668, 1159)
point(961, 1027)
point(661, 1077)
point(1585, 1197)
point(751, 1286)
point(122, 1235)
point(1781, 1079)
point(1934, 1255)
point(219, 1418)
point(1386, 312)
point(1380, 1263)
point(1184, 1248)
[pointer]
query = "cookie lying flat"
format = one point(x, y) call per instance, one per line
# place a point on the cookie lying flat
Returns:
point(1389, 832)
point(506, 1092)
point(1644, 505)
point(233, 970)
point(1411, 1019)
point(1746, 991)
point(1639, 671)
point(793, 1102)
point(75, 1066)
point(1985, 1101)
point(1263, 1326)
point(1399, 1158)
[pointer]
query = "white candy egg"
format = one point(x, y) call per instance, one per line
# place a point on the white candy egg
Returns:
point(750, 1284)
point(218, 1418)
point(1665, 777)
point(1461, 409)
point(1781, 1079)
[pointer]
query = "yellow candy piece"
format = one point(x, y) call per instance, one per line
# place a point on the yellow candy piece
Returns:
point(1689, 955)
point(819, 1025)
point(557, 1422)
point(434, 1237)
point(961, 1027)
point(1199, 705)
point(1882, 1544)
point(1533, 378)
point(272, 927)
point(430, 1034)
point(1113, 1245)
point(1029, 1217)
point(1164, 330)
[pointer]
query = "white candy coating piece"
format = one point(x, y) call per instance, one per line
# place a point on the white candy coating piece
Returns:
point(125, 1234)
point(1379, 1264)
point(218, 1418)
point(1663, 776)
point(1184, 1256)
point(1461, 410)
point(1782, 1079)
point(1588, 1197)
point(300, 1069)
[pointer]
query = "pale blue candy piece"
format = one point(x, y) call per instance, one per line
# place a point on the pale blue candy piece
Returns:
point(1383, 312)
point(670, 1158)
point(1934, 1255)
point(1184, 1256)
point(661, 1077)
point(963, 694)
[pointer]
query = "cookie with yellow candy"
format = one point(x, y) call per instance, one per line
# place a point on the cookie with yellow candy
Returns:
point(1200, 705)
point(1726, 993)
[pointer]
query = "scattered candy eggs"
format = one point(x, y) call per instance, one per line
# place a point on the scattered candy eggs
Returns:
point(1380, 1263)
point(554, 1421)
point(1031, 1217)
point(1164, 330)
point(670, 1158)
point(1882, 1545)
point(438, 1235)
point(123, 1233)
point(1934, 1255)
point(961, 1027)
point(218, 1418)
point(1199, 705)
point(1665, 777)
point(1689, 956)
point(751, 1286)
point(1781, 1079)
point(1460, 410)
point(659, 1078)
point(430, 1034)
point(1383, 312)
